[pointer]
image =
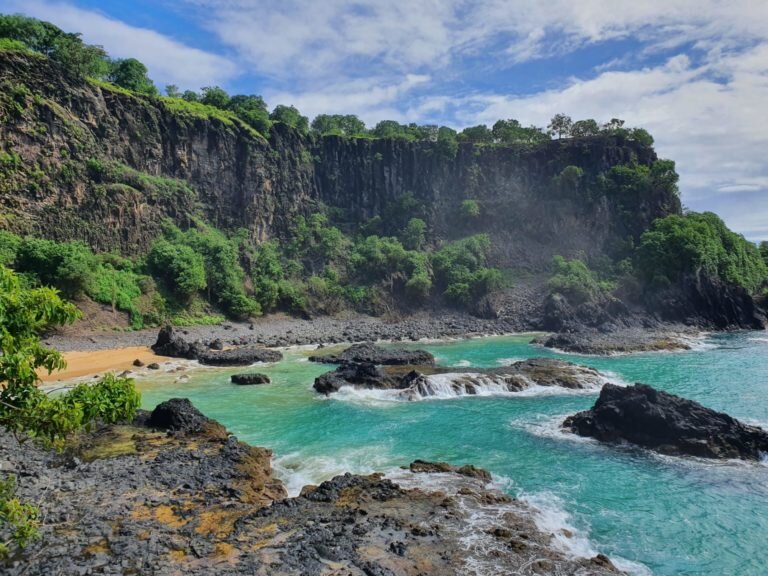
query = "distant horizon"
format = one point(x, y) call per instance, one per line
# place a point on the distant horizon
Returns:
point(695, 75)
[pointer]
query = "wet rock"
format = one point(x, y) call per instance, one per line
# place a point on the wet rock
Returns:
point(357, 375)
point(138, 363)
point(369, 353)
point(468, 470)
point(668, 424)
point(153, 366)
point(250, 379)
point(239, 356)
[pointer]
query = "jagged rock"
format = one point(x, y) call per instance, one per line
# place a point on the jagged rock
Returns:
point(153, 366)
point(169, 343)
point(668, 424)
point(443, 467)
point(239, 356)
point(138, 363)
point(216, 344)
point(177, 414)
point(369, 353)
point(250, 379)
point(425, 381)
point(359, 375)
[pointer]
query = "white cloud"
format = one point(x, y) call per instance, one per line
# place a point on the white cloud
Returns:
point(168, 61)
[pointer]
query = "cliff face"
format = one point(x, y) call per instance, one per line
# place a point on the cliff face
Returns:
point(89, 162)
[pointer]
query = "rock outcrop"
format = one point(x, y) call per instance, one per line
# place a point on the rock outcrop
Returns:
point(424, 467)
point(170, 343)
point(418, 382)
point(250, 379)
point(667, 424)
point(369, 353)
point(135, 500)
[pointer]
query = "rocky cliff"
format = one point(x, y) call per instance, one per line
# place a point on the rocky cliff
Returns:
point(87, 161)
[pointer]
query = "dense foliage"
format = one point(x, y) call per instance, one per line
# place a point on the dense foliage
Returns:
point(25, 409)
point(696, 244)
point(574, 280)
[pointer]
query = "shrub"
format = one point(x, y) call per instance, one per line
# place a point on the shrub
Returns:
point(573, 279)
point(179, 267)
point(699, 244)
point(470, 209)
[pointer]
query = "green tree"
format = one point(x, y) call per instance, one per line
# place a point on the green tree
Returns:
point(172, 91)
point(338, 124)
point(477, 134)
point(764, 250)
point(699, 244)
point(179, 266)
point(414, 234)
point(470, 209)
point(253, 110)
point(574, 279)
point(512, 132)
point(560, 125)
point(190, 96)
point(215, 96)
point(291, 116)
point(131, 74)
point(588, 127)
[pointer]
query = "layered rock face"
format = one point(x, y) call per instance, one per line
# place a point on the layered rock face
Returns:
point(668, 424)
point(237, 179)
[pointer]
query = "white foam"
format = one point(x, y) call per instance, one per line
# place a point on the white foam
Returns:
point(763, 340)
point(462, 364)
point(550, 516)
point(507, 361)
point(297, 470)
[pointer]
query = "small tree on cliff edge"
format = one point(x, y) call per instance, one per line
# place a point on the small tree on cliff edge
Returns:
point(560, 126)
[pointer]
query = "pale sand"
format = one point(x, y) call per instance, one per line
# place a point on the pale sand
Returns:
point(101, 361)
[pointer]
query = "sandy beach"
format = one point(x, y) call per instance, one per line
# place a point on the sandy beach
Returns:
point(86, 363)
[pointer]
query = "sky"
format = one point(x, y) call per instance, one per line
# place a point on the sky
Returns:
point(694, 73)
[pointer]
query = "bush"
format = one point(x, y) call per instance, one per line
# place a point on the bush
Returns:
point(179, 267)
point(460, 269)
point(470, 209)
point(574, 280)
point(697, 244)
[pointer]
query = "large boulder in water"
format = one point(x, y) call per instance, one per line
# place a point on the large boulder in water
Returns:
point(369, 353)
point(668, 424)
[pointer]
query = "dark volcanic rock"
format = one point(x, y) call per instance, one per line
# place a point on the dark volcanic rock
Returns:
point(239, 356)
point(443, 467)
point(668, 424)
point(177, 414)
point(169, 343)
point(358, 375)
point(250, 379)
point(423, 381)
point(369, 353)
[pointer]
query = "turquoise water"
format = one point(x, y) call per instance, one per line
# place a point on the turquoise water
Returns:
point(662, 515)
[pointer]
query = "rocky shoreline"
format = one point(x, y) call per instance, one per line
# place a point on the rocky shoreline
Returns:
point(283, 331)
point(174, 493)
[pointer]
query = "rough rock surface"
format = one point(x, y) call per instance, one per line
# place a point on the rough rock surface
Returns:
point(668, 424)
point(629, 340)
point(421, 466)
point(131, 500)
point(177, 414)
point(422, 381)
point(250, 379)
point(369, 353)
point(170, 343)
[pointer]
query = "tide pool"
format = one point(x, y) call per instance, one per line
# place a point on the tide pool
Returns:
point(659, 515)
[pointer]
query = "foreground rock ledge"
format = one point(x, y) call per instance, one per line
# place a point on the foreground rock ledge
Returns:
point(668, 424)
point(173, 493)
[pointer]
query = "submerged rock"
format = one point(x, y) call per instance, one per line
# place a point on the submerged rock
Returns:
point(369, 353)
point(425, 381)
point(668, 424)
point(250, 379)
point(422, 466)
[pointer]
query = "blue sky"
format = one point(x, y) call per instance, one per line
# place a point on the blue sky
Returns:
point(693, 72)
